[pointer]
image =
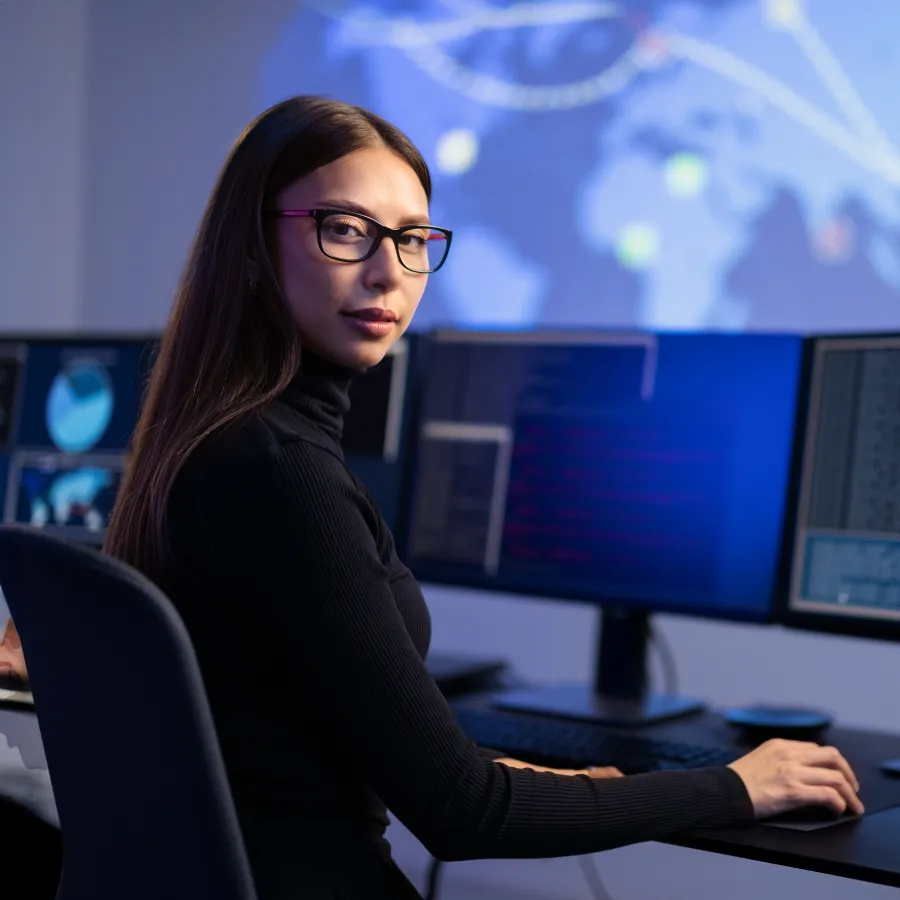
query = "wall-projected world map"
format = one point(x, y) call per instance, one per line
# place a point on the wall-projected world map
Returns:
point(708, 164)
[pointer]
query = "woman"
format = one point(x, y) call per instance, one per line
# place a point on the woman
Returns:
point(310, 261)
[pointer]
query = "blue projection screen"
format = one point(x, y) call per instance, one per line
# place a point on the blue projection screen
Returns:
point(721, 164)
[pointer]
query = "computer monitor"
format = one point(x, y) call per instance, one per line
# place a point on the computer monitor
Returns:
point(68, 407)
point(845, 576)
point(639, 472)
point(377, 427)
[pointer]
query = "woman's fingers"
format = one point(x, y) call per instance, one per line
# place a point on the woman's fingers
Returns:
point(830, 757)
point(835, 780)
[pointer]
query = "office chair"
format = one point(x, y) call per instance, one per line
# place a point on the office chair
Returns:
point(144, 805)
point(32, 853)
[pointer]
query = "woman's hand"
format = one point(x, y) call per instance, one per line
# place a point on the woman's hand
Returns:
point(593, 771)
point(781, 776)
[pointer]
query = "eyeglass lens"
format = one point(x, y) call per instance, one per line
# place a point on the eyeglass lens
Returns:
point(348, 238)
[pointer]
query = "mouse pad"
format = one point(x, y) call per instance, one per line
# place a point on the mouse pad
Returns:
point(878, 793)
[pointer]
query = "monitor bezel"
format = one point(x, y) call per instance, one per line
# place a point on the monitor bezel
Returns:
point(806, 620)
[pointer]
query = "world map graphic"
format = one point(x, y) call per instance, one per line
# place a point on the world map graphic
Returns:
point(720, 164)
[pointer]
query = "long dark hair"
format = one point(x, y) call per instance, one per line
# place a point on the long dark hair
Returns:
point(231, 344)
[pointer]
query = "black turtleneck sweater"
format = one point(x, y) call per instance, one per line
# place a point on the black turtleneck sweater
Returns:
point(311, 636)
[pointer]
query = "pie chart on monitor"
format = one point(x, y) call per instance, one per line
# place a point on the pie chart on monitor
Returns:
point(79, 406)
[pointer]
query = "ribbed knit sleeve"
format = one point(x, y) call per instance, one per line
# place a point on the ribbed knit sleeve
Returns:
point(317, 571)
point(487, 753)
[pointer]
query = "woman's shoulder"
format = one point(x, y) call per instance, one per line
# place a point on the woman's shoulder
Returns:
point(243, 440)
point(254, 448)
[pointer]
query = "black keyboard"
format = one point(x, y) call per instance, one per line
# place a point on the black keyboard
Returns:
point(567, 744)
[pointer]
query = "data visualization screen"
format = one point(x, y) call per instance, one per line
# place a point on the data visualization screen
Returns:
point(847, 547)
point(631, 469)
point(68, 408)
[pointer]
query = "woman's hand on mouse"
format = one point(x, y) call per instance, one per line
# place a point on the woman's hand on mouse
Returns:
point(781, 776)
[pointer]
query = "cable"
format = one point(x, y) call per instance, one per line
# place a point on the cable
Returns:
point(434, 875)
point(511, 680)
point(593, 879)
point(667, 660)
point(588, 866)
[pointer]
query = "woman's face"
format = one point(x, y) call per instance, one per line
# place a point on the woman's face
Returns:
point(326, 297)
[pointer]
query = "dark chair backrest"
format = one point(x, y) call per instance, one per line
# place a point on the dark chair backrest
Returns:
point(144, 804)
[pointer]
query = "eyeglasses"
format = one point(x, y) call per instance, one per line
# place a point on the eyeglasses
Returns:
point(351, 237)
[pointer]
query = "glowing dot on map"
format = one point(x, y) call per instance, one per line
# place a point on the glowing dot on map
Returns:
point(685, 174)
point(834, 241)
point(457, 151)
point(637, 246)
point(786, 14)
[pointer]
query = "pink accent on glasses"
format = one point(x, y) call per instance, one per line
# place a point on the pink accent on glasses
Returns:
point(310, 213)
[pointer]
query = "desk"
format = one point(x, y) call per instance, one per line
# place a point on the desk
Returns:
point(866, 849)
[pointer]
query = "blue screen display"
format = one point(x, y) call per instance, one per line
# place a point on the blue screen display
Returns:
point(650, 471)
point(71, 418)
point(640, 163)
point(81, 397)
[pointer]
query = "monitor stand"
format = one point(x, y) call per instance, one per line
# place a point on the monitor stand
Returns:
point(619, 694)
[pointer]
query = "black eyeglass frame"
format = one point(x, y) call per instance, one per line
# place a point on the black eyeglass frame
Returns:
point(381, 232)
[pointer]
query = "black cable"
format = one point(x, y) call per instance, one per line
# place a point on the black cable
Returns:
point(592, 877)
point(667, 660)
point(511, 680)
point(434, 876)
point(588, 866)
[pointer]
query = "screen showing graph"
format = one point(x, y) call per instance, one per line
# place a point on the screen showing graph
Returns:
point(847, 548)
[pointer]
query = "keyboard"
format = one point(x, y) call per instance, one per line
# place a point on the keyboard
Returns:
point(568, 744)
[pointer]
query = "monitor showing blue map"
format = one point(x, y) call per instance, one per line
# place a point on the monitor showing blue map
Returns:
point(72, 405)
point(71, 496)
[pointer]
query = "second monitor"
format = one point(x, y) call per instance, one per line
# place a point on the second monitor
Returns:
point(642, 473)
point(846, 554)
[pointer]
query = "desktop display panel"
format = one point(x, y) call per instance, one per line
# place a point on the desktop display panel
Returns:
point(377, 426)
point(71, 411)
point(845, 573)
point(636, 471)
point(69, 405)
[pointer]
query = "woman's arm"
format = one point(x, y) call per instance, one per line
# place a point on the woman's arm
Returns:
point(593, 771)
point(291, 528)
